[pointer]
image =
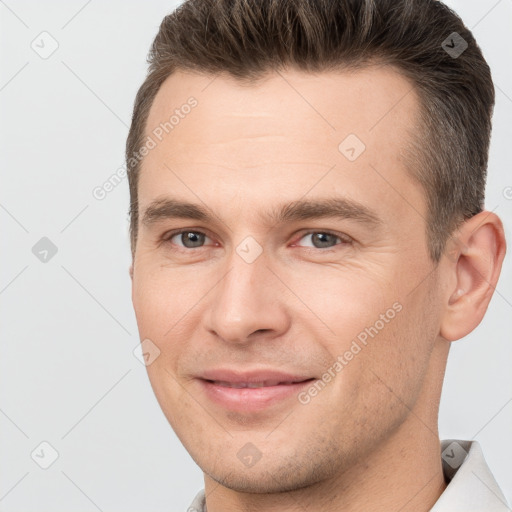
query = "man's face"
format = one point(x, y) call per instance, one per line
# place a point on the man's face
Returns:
point(243, 293)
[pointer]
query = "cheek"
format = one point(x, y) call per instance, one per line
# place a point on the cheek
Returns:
point(341, 302)
point(399, 356)
point(161, 318)
point(384, 339)
point(160, 299)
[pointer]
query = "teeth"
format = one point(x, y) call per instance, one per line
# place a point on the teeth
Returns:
point(251, 385)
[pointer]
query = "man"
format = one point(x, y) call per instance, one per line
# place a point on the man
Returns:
point(308, 237)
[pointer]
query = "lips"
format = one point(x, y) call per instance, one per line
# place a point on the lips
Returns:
point(251, 391)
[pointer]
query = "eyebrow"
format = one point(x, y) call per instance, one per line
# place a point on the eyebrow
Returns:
point(310, 209)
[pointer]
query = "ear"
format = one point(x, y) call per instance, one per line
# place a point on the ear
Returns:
point(474, 255)
point(131, 271)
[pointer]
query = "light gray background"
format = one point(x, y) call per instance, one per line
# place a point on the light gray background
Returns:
point(68, 373)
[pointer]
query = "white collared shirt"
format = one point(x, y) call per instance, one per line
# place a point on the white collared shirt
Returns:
point(471, 487)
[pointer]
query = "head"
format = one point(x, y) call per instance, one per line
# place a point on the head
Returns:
point(349, 120)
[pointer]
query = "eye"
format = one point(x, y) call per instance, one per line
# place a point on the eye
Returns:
point(187, 239)
point(325, 239)
point(191, 239)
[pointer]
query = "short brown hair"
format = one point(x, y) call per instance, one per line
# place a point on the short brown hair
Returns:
point(249, 38)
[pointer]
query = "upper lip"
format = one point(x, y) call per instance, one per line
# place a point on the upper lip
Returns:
point(252, 376)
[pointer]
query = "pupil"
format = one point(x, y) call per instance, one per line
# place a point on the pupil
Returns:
point(192, 239)
point(319, 236)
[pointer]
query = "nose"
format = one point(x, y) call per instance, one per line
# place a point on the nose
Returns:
point(247, 303)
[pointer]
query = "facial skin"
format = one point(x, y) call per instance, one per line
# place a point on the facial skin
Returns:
point(368, 440)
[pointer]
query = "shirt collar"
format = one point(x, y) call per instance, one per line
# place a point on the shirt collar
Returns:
point(471, 485)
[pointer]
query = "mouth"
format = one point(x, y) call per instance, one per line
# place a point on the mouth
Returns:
point(255, 385)
point(252, 392)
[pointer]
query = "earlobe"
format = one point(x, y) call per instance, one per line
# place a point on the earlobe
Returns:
point(474, 258)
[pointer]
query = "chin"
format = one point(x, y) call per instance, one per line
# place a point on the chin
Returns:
point(265, 481)
point(266, 476)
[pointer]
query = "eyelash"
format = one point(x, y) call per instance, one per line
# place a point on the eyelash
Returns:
point(345, 239)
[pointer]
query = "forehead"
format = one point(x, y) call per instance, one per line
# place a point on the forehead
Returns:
point(291, 128)
point(370, 99)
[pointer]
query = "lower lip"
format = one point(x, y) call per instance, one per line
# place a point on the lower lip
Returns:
point(250, 399)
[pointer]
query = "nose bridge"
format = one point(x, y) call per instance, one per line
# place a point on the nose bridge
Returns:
point(242, 287)
point(244, 301)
